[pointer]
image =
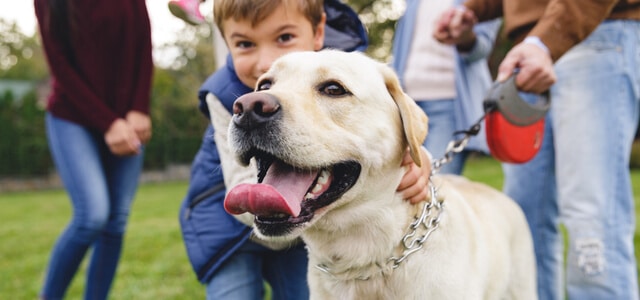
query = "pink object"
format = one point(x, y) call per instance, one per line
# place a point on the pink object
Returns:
point(187, 10)
point(281, 192)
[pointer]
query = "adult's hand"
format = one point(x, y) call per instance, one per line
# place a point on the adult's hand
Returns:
point(455, 27)
point(122, 138)
point(141, 124)
point(536, 74)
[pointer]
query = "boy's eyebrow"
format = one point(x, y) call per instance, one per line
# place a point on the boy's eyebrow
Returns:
point(279, 29)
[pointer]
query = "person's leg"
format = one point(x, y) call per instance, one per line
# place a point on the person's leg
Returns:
point(123, 173)
point(240, 277)
point(595, 107)
point(286, 272)
point(441, 131)
point(532, 185)
point(76, 155)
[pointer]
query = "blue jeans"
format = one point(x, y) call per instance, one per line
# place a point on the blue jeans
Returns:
point(580, 178)
point(101, 187)
point(242, 276)
point(442, 125)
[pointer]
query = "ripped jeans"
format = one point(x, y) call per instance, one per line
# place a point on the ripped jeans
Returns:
point(580, 178)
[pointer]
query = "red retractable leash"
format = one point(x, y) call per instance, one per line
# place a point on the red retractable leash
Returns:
point(514, 127)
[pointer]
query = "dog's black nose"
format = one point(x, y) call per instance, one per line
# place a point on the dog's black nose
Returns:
point(255, 110)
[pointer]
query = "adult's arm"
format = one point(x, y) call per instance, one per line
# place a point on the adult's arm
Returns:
point(560, 25)
point(145, 62)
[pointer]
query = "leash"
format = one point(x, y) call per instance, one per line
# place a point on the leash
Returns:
point(514, 126)
point(456, 146)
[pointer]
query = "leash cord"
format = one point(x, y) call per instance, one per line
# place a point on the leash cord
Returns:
point(456, 146)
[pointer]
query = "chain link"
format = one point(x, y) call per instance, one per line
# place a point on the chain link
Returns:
point(456, 146)
point(410, 241)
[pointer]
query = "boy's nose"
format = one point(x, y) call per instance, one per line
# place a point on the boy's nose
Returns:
point(266, 60)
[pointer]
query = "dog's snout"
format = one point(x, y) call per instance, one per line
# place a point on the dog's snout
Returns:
point(255, 109)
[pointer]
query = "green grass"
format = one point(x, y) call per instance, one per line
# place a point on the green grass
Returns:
point(154, 264)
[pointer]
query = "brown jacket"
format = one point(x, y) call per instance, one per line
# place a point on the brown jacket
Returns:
point(560, 24)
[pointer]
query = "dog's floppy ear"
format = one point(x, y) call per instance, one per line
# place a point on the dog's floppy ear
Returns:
point(414, 120)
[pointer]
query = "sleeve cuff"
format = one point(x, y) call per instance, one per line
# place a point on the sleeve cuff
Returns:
point(536, 41)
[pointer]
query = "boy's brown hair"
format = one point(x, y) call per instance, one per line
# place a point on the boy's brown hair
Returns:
point(258, 10)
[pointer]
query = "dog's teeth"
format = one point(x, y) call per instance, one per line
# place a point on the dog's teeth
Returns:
point(322, 180)
point(324, 177)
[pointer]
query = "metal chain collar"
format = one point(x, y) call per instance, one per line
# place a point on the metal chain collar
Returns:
point(430, 222)
point(429, 219)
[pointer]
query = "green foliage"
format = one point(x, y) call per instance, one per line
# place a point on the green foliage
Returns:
point(23, 147)
point(380, 18)
point(634, 162)
point(21, 57)
point(177, 123)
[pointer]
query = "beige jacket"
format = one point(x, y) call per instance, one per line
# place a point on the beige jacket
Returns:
point(560, 24)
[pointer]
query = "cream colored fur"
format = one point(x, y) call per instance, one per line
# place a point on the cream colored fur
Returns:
point(482, 248)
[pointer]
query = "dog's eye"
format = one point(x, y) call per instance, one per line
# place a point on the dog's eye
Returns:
point(333, 89)
point(264, 85)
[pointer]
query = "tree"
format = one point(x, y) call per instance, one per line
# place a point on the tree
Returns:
point(21, 57)
point(380, 18)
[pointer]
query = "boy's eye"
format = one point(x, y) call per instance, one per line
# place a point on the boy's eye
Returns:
point(285, 37)
point(264, 85)
point(244, 44)
point(333, 89)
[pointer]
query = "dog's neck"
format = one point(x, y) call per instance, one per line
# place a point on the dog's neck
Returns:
point(371, 243)
point(374, 259)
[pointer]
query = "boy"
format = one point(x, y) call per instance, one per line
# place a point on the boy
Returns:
point(227, 259)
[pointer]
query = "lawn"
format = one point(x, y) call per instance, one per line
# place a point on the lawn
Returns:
point(154, 264)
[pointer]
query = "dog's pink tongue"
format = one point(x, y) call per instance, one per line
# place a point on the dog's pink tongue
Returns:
point(281, 191)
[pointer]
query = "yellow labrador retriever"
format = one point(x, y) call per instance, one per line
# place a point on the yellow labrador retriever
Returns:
point(328, 131)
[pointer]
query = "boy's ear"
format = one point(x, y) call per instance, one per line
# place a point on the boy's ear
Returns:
point(318, 39)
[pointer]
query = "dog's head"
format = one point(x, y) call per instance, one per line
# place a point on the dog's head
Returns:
point(323, 127)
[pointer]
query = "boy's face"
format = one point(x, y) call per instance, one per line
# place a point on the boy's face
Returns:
point(254, 48)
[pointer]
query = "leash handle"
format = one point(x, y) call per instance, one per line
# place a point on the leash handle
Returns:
point(505, 98)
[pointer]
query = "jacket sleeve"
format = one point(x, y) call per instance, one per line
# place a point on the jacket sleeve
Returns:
point(566, 23)
point(562, 25)
point(77, 89)
point(486, 9)
point(144, 53)
point(486, 33)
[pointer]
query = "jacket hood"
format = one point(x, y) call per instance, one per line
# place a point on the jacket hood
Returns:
point(344, 30)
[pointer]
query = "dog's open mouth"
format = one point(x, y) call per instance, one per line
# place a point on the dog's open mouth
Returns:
point(286, 194)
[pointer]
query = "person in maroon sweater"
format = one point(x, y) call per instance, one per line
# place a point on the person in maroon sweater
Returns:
point(99, 56)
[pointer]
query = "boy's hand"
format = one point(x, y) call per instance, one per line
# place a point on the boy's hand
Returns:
point(415, 183)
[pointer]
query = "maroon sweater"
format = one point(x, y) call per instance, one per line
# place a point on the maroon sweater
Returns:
point(111, 71)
